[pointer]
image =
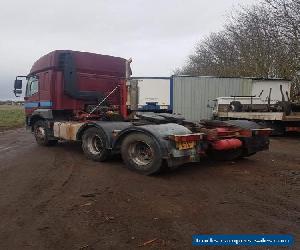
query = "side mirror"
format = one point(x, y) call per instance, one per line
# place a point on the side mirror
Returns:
point(18, 84)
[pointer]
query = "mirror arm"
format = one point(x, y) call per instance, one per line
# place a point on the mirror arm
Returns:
point(16, 93)
point(20, 77)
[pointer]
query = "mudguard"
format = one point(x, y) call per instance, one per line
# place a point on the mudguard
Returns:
point(160, 133)
point(252, 144)
point(116, 132)
point(244, 124)
point(110, 129)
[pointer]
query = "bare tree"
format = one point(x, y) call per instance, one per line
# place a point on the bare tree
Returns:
point(286, 16)
point(259, 41)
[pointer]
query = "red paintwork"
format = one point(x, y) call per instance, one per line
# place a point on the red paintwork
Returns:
point(227, 131)
point(227, 144)
point(95, 72)
point(292, 129)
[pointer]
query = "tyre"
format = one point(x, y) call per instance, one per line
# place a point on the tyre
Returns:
point(235, 106)
point(94, 143)
point(285, 107)
point(141, 153)
point(42, 134)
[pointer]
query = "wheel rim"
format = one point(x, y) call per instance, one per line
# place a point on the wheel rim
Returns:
point(140, 153)
point(40, 133)
point(95, 145)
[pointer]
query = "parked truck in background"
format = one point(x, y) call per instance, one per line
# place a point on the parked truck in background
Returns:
point(80, 96)
point(152, 94)
point(271, 108)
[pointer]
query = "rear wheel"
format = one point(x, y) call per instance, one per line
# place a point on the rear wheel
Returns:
point(94, 143)
point(42, 133)
point(141, 153)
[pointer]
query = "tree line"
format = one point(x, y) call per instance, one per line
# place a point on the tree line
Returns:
point(262, 40)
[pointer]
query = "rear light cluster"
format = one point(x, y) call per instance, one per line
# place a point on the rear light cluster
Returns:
point(187, 138)
point(226, 132)
point(292, 129)
point(245, 133)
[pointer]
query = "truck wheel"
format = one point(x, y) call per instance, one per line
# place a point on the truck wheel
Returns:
point(235, 106)
point(94, 145)
point(42, 134)
point(141, 153)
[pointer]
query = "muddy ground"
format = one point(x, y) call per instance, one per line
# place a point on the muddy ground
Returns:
point(54, 198)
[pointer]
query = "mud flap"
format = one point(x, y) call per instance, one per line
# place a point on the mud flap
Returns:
point(254, 144)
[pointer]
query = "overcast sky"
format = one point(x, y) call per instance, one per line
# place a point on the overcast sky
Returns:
point(158, 35)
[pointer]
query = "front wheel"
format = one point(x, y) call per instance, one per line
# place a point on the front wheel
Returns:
point(42, 134)
point(141, 153)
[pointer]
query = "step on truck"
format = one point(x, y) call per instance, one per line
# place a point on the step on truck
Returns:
point(80, 96)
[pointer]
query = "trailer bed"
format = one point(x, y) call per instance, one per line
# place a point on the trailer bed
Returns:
point(266, 116)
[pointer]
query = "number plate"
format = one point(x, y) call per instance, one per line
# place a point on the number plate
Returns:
point(185, 145)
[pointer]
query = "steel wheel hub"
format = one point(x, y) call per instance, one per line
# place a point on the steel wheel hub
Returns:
point(40, 132)
point(141, 153)
point(95, 145)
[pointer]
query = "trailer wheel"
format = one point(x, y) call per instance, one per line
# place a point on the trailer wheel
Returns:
point(235, 106)
point(42, 133)
point(94, 145)
point(141, 153)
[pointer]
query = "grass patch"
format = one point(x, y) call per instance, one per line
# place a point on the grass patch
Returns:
point(11, 117)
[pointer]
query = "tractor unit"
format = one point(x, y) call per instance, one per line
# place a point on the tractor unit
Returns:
point(80, 96)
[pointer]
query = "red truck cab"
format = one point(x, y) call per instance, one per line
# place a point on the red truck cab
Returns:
point(71, 83)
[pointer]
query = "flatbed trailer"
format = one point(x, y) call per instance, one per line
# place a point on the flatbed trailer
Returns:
point(268, 116)
point(278, 121)
point(282, 116)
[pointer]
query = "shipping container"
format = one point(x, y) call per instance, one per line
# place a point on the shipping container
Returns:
point(193, 96)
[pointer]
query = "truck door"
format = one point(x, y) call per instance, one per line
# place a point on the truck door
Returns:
point(32, 98)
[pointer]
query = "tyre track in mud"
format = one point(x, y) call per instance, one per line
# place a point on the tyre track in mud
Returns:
point(53, 198)
point(47, 179)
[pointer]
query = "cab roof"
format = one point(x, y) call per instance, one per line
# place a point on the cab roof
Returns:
point(84, 62)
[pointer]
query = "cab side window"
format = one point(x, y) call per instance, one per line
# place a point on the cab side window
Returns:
point(32, 86)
